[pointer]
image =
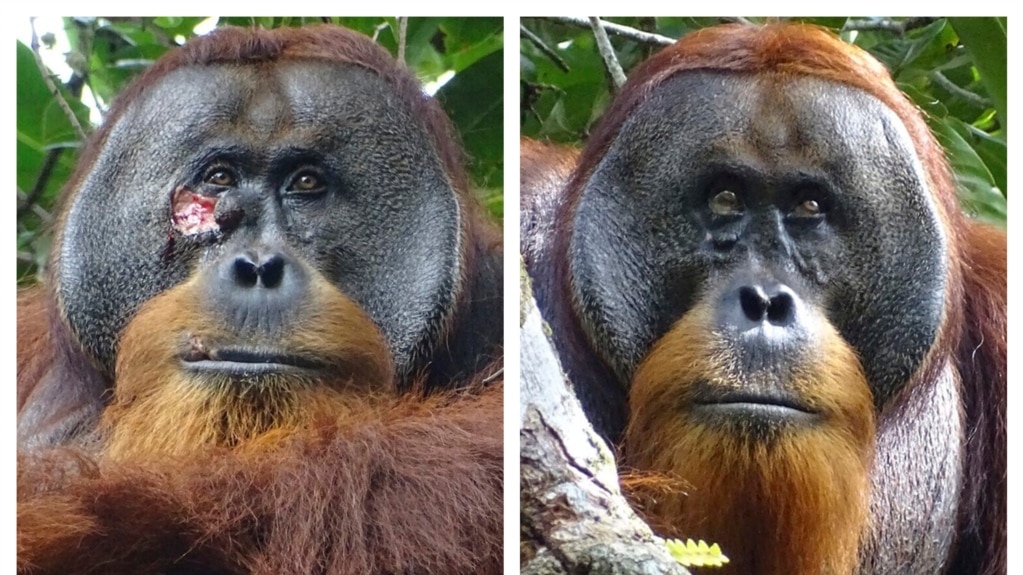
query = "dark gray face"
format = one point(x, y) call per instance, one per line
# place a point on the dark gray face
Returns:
point(802, 181)
point(319, 159)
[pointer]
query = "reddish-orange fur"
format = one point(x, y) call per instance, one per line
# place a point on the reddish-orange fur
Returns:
point(400, 485)
point(166, 471)
point(974, 333)
point(327, 476)
point(972, 340)
point(544, 170)
point(55, 380)
point(795, 503)
point(158, 410)
point(35, 348)
point(545, 167)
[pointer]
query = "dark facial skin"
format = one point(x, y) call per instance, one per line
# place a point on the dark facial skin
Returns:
point(311, 160)
point(796, 188)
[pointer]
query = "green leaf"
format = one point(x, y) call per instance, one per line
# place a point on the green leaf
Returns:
point(467, 40)
point(579, 96)
point(915, 55)
point(42, 125)
point(673, 27)
point(979, 193)
point(422, 36)
point(474, 101)
point(696, 554)
point(176, 25)
point(992, 151)
point(248, 21)
point(927, 102)
point(985, 39)
point(493, 200)
point(835, 22)
point(44, 134)
point(168, 22)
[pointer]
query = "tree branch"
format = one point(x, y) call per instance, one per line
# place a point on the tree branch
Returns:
point(402, 28)
point(974, 99)
point(378, 29)
point(31, 199)
point(547, 51)
point(23, 201)
point(607, 52)
point(618, 30)
point(574, 517)
point(899, 27)
point(51, 86)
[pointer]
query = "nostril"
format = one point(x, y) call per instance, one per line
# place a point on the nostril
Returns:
point(782, 309)
point(272, 271)
point(754, 302)
point(776, 305)
point(759, 310)
point(268, 274)
point(245, 271)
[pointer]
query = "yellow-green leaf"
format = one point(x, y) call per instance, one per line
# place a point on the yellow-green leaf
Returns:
point(696, 554)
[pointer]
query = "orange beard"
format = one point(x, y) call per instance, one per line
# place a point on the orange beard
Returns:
point(792, 499)
point(162, 409)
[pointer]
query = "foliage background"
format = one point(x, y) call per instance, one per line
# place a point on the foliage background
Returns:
point(954, 69)
point(106, 53)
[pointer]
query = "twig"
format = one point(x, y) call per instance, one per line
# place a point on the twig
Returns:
point(607, 52)
point(42, 214)
point(402, 26)
point(31, 199)
point(974, 99)
point(51, 86)
point(547, 51)
point(618, 30)
point(900, 27)
point(380, 28)
point(95, 102)
point(494, 376)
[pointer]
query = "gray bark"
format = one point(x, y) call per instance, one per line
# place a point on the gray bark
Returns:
point(574, 518)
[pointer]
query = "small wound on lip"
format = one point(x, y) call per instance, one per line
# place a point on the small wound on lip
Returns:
point(193, 213)
point(196, 349)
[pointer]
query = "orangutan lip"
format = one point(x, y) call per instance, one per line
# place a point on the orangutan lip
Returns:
point(777, 405)
point(244, 360)
point(767, 411)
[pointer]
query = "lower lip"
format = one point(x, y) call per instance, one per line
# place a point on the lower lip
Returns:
point(237, 367)
point(771, 411)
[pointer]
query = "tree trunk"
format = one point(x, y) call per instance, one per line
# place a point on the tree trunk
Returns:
point(574, 518)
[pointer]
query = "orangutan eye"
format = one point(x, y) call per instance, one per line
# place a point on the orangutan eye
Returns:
point(220, 176)
point(808, 209)
point(726, 203)
point(306, 181)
